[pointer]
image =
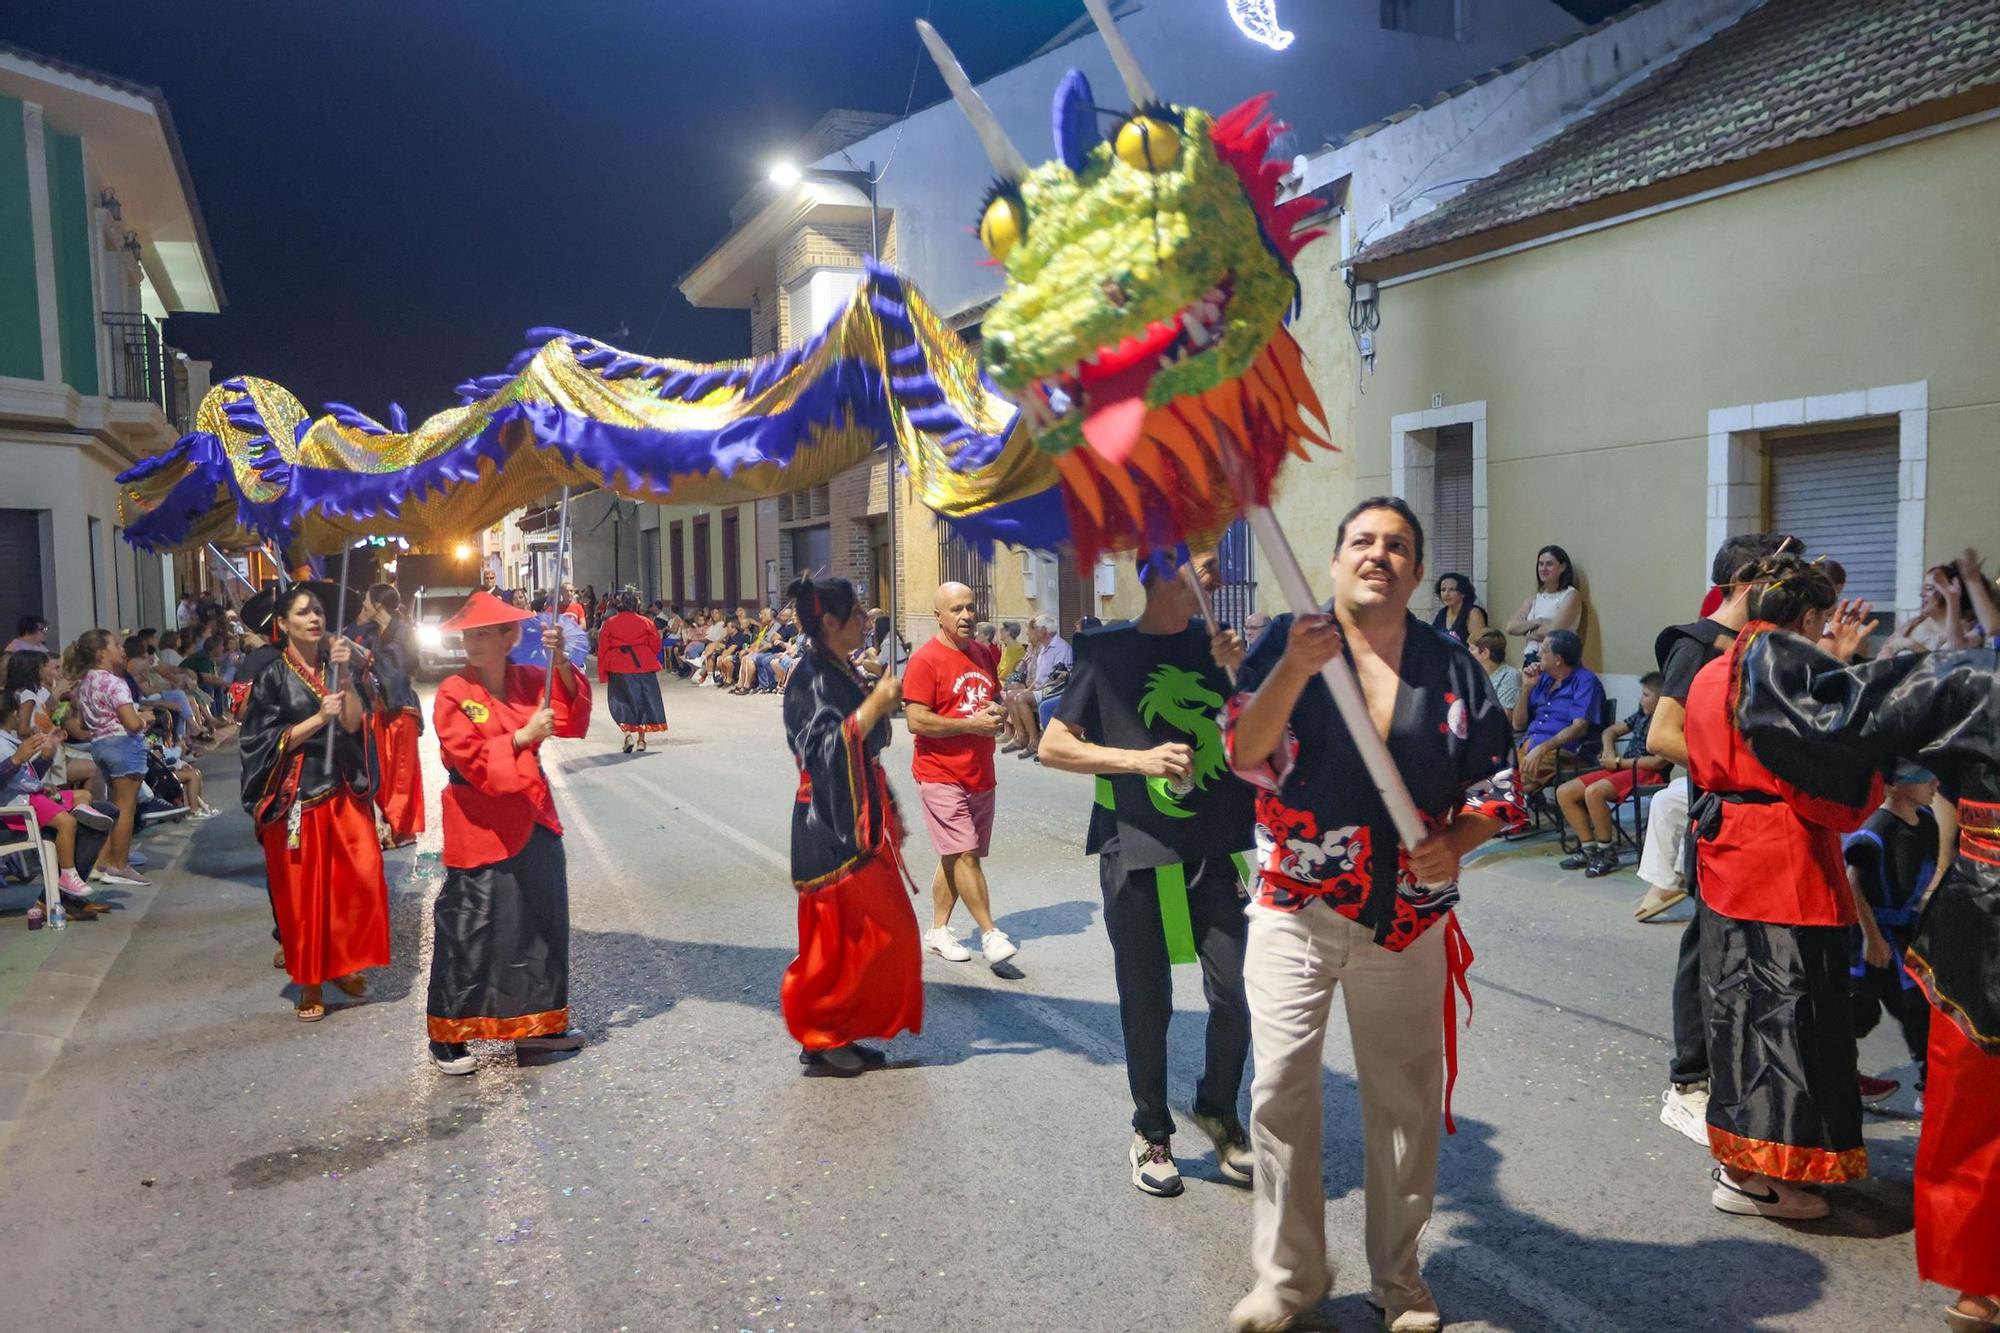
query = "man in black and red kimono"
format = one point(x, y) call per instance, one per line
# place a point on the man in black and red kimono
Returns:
point(1339, 903)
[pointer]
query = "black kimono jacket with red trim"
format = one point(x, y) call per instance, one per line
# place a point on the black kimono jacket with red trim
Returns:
point(844, 815)
point(275, 775)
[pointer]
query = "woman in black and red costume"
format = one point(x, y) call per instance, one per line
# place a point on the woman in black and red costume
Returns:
point(1783, 1106)
point(1831, 730)
point(320, 851)
point(500, 947)
point(859, 972)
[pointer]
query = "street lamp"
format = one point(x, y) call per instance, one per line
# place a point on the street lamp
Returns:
point(785, 175)
point(462, 551)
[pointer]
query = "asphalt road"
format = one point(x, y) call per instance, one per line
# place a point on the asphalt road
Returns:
point(196, 1159)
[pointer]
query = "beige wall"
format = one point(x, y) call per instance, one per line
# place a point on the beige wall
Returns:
point(1600, 357)
point(748, 562)
point(1313, 495)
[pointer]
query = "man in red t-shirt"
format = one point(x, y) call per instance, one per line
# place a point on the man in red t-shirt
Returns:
point(950, 700)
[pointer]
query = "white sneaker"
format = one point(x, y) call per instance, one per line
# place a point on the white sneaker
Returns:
point(996, 946)
point(1684, 1109)
point(940, 941)
point(1761, 1196)
point(1153, 1169)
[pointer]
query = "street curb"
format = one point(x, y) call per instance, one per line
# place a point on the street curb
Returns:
point(36, 1023)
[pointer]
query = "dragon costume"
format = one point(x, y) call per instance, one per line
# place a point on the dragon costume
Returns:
point(1142, 329)
point(572, 411)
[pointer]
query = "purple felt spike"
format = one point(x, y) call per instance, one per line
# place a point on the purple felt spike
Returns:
point(1075, 117)
point(399, 419)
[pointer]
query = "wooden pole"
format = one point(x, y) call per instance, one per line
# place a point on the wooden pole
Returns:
point(555, 618)
point(333, 668)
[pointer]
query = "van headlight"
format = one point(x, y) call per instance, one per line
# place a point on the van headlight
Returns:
point(430, 636)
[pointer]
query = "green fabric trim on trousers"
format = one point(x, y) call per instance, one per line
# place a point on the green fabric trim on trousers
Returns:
point(1171, 883)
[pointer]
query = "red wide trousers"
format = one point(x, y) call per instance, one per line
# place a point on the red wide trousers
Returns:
point(860, 969)
point(328, 893)
point(401, 794)
point(1958, 1164)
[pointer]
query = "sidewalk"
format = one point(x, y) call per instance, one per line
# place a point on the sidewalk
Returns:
point(48, 977)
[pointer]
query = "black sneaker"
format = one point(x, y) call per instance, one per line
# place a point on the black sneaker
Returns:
point(555, 1041)
point(837, 1062)
point(1580, 860)
point(452, 1057)
point(159, 812)
point(1606, 863)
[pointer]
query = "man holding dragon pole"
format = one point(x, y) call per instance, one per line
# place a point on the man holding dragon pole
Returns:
point(1168, 827)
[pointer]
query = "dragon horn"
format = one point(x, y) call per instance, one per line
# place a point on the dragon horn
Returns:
point(1007, 159)
point(1137, 86)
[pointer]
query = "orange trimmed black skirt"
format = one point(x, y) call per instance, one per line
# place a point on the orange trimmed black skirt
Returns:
point(860, 969)
point(500, 951)
point(1782, 1099)
point(635, 702)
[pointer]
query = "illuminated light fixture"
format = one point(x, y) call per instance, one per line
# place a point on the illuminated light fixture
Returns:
point(462, 551)
point(1258, 20)
point(785, 175)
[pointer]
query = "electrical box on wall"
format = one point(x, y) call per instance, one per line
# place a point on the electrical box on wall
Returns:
point(1107, 576)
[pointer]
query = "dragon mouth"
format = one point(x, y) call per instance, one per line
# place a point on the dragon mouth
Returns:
point(1107, 389)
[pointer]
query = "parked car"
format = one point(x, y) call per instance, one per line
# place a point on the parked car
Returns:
point(439, 652)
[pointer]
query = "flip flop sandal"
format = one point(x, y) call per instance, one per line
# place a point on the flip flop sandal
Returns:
point(311, 1013)
point(1958, 1321)
point(278, 959)
point(1655, 903)
point(355, 985)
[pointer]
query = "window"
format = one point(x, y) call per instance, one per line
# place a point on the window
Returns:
point(20, 567)
point(732, 560)
point(1836, 491)
point(1426, 18)
point(703, 593)
point(676, 558)
point(1448, 543)
point(960, 563)
point(812, 551)
point(1237, 597)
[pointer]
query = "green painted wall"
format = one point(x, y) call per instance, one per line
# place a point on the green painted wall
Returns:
point(69, 222)
point(20, 317)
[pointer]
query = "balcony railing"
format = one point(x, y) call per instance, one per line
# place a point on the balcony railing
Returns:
point(142, 365)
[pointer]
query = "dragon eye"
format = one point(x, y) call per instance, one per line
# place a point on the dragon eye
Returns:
point(1147, 143)
point(1001, 226)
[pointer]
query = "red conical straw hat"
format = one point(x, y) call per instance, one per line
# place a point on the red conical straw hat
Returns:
point(483, 608)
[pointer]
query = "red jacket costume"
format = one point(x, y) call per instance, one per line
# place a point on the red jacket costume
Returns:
point(496, 794)
point(628, 643)
point(1775, 857)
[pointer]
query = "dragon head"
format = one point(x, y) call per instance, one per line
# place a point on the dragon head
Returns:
point(1149, 276)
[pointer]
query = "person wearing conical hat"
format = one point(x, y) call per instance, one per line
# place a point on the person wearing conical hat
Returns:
point(500, 956)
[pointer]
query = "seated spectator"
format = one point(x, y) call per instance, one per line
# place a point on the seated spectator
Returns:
point(1489, 649)
point(1053, 658)
point(1459, 613)
point(25, 761)
point(1558, 714)
point(31, 635)
point(1586, 801)
point(1985, 612)
point(1946, 619)
point(743, 674)
point(776, 646)
point(208, 671)
point(1556, 603)
point(737, 636)
point(1012, 650)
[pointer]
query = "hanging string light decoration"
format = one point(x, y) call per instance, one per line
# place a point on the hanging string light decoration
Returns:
point(1258, 20)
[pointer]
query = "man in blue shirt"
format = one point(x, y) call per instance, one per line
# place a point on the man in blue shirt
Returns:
point(1558, 712)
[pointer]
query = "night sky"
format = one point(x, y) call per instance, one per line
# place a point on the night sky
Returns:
point(397, 189)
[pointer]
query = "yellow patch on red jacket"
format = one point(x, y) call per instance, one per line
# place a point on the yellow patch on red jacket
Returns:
point(475, 710)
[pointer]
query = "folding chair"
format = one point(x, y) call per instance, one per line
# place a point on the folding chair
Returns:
point(21, 832)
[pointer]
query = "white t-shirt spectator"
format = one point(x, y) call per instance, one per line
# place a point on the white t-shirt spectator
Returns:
point(34, 707)
point(184, 617)
point(171, 657)
point(1055, 653)
point(98, 697)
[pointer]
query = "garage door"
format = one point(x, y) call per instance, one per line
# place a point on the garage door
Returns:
point(1837, 493)
point(20, 567)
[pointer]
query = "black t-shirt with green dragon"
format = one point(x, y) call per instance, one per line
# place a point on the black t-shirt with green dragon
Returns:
point(1133, 691)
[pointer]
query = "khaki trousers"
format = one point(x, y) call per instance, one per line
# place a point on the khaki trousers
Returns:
point(1293, 963)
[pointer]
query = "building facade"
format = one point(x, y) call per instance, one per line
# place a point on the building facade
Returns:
point(1743, 289)
point(794, 253)
point(101, 239)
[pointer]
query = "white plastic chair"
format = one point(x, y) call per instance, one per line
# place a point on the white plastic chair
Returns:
point(30, 839)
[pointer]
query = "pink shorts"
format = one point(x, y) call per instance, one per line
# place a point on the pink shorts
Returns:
point(46, 809)
point(958, 820)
